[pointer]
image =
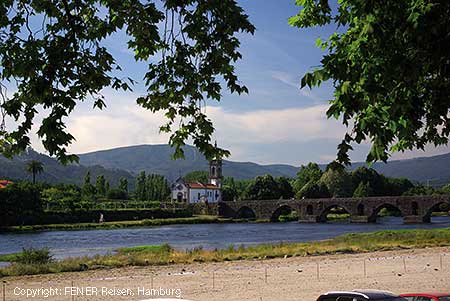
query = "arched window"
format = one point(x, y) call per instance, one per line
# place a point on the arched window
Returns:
point(213, 171)
point(309, 210)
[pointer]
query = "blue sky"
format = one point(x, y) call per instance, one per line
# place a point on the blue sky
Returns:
point(275, 123)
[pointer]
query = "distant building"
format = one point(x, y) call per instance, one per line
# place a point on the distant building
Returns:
point(196, 192)
point(4, 183)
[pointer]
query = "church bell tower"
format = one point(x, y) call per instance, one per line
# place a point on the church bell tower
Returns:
point(215, 171)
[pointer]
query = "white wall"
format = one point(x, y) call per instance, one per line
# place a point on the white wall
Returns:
point(175, 192)
point(209, 194)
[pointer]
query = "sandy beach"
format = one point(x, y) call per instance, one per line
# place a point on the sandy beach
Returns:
point(295, 278)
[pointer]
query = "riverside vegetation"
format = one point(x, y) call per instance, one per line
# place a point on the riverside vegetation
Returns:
point(201, 219)
point(39, 262)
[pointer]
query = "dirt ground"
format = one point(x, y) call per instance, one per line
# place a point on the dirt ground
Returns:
point(274, 279)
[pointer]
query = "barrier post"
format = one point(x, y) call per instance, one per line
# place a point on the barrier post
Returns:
point(404, 264)
point(365, 269)
point(318, 271)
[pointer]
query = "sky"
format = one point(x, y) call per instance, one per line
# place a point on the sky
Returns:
point(275, 123)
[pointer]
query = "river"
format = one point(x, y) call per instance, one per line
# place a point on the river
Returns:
point(90, 242)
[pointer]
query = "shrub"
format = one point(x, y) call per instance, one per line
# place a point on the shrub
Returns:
point(34, 256)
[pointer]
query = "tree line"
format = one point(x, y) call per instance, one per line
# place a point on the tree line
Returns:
point(313, 182)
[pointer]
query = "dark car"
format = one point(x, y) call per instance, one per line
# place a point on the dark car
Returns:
point(360, 295)
point(427, 297)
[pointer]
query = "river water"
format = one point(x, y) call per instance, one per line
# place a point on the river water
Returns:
point(90, 242)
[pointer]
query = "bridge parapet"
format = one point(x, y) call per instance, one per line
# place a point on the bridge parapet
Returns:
point(414, 209)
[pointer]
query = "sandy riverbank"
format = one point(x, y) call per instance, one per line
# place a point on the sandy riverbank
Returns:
point(299, 278)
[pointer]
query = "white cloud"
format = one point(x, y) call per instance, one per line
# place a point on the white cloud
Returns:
point(294, 135)
point(272, 126)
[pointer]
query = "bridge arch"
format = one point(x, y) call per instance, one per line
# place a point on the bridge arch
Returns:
point(374, 215)
point(281, 210)
point(245, 212)
point(324, 213)
point(435, 207)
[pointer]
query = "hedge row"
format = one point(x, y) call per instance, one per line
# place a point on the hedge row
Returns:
point(61, 217)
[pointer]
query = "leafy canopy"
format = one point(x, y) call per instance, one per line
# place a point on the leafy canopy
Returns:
point(390, 67)
point(53, 53)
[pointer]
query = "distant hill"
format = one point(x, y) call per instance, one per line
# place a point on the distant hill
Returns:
point(129, 161)
point(54, 172)
point(156, 159)
point(435, 169)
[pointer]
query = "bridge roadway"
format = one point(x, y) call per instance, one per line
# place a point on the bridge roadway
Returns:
point(414, 209)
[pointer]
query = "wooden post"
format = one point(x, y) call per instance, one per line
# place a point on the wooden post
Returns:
point(213, 280)
point(440, 262)
point(404, 263)
point(265, 275)
point(365, 269)
point(4, 291)
point(318, 271)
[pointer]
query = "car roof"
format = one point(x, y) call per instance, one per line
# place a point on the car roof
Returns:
point(366, 294)
point(427, 295)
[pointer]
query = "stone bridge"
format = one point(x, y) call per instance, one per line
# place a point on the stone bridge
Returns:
point(414, 209)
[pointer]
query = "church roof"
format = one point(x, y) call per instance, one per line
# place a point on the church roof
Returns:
point(4, 183)
point(198, 185)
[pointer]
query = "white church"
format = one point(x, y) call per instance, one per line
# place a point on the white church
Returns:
point(196, 192)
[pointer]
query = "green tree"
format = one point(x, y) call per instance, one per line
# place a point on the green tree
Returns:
point(19, 201)
point(157, 188)
point(396, 186)
point(201, 176)
point(141, 187)
point(100, 186)
point(313, 190)
point(369, 176)
point(390, 70)
point(310, 172)
point(123, 184)
point(337, 181)
point(229, 193)
point(55, 53)
point(88, 190)
point(263, 188)
point(35, 167)
point(363, 190)
point(284, 187)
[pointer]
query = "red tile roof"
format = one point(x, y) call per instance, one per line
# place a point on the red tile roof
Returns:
point(198, 185)
point(4, 183)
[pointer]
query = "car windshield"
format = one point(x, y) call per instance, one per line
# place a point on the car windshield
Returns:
point(447, 298)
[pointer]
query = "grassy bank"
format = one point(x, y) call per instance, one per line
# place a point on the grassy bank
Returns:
point(163, 255)
point(124, 224)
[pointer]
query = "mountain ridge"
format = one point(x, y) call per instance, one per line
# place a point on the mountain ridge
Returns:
point(128, 161)
point(421, 169)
